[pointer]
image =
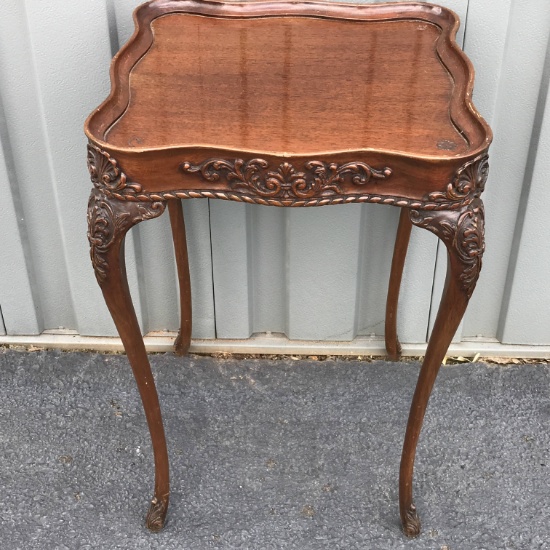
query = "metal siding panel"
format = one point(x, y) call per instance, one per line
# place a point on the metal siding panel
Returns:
point(18, 310)
point(484, 43)
point(62, 144)
point(230, 229)
point(516, 99)
point(322, 272)
point(460, 7)
point(24, 125)
point(437, 292)
point(526, 315)
point(70, 81)
point(121, 11)
point(268, 251)
point(261, 265)
point(378, 230)
point(197, 225)
point(160, 276)
point(416, 288)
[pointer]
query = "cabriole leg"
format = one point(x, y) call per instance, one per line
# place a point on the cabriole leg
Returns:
point(393, 347)
point(183, 341)
point(108, 222)
point(462, 231)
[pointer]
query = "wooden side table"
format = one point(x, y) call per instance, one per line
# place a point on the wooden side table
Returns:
point(289, 104)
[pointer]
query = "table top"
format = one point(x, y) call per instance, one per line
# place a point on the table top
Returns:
point(292, 80)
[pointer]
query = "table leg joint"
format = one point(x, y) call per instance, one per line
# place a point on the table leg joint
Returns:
point(463, 232)
point(108, 222)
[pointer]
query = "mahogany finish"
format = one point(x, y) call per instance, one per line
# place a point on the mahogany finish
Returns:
point(393, 347)
point(289, 104)
point(183, 341)
point(265, 108)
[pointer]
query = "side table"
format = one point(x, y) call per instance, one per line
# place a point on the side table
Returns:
point(289, 104)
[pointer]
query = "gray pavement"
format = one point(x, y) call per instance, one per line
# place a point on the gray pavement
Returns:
point(270, 454)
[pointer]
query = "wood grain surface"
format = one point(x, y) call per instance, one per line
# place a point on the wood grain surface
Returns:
point(291, 85)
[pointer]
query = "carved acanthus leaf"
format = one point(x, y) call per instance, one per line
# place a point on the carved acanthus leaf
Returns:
point(463, 232)
point(318, 183)
point(105, 173)
point(468, 182)
point(317, 179)
point(108, 221)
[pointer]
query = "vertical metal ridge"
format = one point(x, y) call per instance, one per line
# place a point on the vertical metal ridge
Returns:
point(41, 187)
point(13, 185)
point(112, 25)
point(465, 27)
point(49, 159)
point(491, 60)
point(3, 330)
point(434, 299)
point(287, 267)
point(360, 286)
point(212, 269)
point(249, 220)
point(141, 284)
point(526, 190)
point(516, 93)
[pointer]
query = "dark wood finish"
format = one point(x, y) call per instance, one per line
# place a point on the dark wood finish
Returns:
point(289, 104)
point(393, 347)
point(258, 89)
point(183, 341)
point(109, 220)
point(365, 109)
point(462, 232)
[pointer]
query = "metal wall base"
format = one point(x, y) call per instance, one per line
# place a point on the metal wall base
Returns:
point(273, 344)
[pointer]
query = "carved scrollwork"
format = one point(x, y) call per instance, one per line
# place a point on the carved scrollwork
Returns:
point(108, 222)
point(468, 182)
point(463, 232)
point(318, 183)
point(329, 175)
point(106, 174)
point(411, 522)
point(318, 179)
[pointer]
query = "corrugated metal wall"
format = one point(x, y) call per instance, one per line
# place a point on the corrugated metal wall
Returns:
point(316, 274)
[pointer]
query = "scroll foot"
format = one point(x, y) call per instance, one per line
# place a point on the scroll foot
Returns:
point(411, 522)
point(156, 517)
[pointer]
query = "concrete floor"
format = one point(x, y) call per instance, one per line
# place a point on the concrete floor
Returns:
point(280, 454)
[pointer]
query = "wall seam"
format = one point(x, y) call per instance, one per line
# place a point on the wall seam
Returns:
point(13, 182)
point(50, 167)
point(112, 26)
point(525, 190)
point(500, 62)
point(2, 322)
point(212, 270)
point(250, 265)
